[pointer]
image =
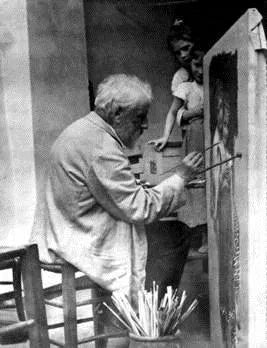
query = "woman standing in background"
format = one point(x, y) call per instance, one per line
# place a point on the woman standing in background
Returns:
point(187, 82)
point(168, 244)
point(180, 42)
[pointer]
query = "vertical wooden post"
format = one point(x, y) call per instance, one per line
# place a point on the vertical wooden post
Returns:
point(34, 299)
point(18, 289)
point(98, 326)
point(69, 306)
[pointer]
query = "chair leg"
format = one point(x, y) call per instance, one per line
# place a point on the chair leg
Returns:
point(69, 304)
point(98, 326)
point(34, 300)
point(16, 270)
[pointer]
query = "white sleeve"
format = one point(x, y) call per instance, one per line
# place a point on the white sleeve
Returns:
point(182, 91)
point(179, 77)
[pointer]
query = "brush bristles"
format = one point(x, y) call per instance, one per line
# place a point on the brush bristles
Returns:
point(153, 319)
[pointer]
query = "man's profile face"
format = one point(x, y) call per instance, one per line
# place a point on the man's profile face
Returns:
point(132, 124)
point(223, 118)
point(226, 121)
point(220, 111)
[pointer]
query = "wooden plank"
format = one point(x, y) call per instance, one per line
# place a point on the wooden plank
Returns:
point(15, 333)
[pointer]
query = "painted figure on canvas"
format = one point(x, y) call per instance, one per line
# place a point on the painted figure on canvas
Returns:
point(224, 130)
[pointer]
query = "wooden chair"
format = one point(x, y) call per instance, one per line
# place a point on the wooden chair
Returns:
point(13, 299)
point(69, 304)
point(33, 323)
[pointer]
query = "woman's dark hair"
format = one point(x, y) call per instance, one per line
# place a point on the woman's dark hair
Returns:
point(197, 51)
point(179, 31)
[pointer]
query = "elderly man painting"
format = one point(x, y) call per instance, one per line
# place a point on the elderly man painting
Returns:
point(94, 212)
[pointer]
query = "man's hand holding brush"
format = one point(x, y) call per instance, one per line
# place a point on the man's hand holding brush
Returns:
point(190, 166)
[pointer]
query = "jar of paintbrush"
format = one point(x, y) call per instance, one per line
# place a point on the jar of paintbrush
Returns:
point(154, 342)
point(157, 323)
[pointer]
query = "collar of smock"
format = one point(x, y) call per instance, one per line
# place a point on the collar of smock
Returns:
point(97, 120)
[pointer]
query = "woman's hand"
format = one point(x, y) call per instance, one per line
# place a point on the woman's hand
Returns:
point(190, 165)
point(159, 143)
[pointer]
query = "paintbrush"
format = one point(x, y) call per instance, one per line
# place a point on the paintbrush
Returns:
point(153, 319)
point(238, 155)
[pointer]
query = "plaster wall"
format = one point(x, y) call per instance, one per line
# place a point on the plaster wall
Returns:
point(43, 88)
point(17, 178)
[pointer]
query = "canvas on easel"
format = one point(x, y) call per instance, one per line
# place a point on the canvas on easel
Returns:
point(235, 132)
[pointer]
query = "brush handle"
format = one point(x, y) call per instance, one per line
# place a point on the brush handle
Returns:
point(238, 155)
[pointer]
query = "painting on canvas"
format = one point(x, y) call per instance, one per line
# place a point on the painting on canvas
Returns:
point(235, 136)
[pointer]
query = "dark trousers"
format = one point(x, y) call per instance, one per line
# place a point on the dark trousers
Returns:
point(168, 246)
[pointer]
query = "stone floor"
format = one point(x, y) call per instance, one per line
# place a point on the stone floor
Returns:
point(196, 328)
point(195, 332)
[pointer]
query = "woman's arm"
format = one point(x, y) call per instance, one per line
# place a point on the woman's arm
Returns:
point(160, 143)
point(171, 116)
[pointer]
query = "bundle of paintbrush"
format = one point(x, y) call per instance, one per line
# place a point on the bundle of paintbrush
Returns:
point(153, 319)
point(172, 313)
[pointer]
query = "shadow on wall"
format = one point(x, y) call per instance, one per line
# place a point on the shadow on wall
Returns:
point(7, 211)
point(130, 37)
point(60, 93)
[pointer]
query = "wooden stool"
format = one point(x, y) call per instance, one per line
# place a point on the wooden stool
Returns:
point(69, 304)
point(25, 261)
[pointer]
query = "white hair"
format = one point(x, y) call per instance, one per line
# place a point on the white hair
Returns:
point(122, 91)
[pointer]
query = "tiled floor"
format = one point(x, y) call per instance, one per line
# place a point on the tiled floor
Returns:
point(195, 332)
